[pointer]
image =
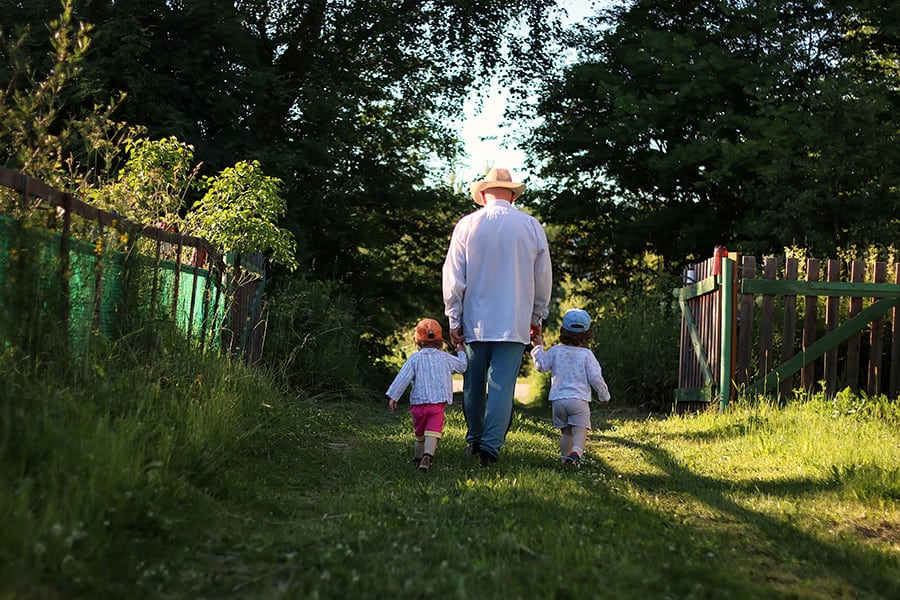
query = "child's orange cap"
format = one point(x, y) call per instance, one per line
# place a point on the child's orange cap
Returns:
point(428, 330)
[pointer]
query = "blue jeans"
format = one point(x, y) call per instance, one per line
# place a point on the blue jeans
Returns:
point(489, 387)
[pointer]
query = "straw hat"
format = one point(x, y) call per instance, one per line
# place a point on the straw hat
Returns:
point(495, 178)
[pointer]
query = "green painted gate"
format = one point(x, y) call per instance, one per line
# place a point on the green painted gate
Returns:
point(767, 331)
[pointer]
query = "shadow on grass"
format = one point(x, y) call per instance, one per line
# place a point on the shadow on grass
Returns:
point(792, 549)
point(351, 507)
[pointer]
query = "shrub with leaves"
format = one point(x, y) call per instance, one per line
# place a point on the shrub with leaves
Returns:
point(314, 336)
point(239, 212)
point(151, 186)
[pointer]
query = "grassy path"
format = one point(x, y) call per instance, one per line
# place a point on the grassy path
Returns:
point(757, 504)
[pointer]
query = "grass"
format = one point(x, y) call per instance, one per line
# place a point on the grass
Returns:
point(215, 485)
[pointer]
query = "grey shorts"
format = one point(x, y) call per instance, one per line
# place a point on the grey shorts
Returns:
point(571, 413)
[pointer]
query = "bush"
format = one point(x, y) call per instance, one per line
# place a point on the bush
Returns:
point(313, 336)
point(639, 354)
point(108, 458)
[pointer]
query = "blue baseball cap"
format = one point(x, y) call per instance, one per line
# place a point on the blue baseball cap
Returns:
point(576, 320)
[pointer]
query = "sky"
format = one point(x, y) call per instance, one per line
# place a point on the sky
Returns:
point(483, 132)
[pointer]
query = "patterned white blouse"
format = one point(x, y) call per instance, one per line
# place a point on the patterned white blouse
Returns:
point(574, 370)
point(431, 373)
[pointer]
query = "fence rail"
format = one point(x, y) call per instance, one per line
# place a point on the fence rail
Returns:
point(189, 276)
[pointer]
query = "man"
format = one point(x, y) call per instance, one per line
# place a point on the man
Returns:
point(496, 282)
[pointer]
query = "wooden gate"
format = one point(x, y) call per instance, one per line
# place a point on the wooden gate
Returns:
point(706, 362)
point(836, 328)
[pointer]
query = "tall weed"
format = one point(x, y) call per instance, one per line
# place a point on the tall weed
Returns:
point(314, 336)
point(109, 459)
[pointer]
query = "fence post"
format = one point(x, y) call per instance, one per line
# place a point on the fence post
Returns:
point(876, 338)
point(64, 265)
point(727, 327)
point(789, 324)
point(832, 314)
point(857, 275)
point(895, 343)
point(810, 321)
point(744, 339)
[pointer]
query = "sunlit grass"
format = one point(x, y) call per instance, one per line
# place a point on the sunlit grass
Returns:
point(192, 478)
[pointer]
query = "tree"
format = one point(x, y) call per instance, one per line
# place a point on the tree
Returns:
point(34, 131)
point(349, 104)
point(688, 124)
point(151, 186)
point(240, 211)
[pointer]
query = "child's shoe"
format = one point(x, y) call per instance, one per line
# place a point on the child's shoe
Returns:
point(425, 463)
point(573, 459)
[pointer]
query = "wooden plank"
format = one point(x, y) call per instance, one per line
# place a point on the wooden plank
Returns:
point(832, 314)
point(894, 388)
point(695, 290)
point(823, 346)
point(835, 288)
point(857, 275)
point(696, 343)
point(810, 325)
point(684, 352)
point(789, 324)
point(712, 318)
point(766, 321)
point(726, 317)
point(876, 338)
point(745, 326)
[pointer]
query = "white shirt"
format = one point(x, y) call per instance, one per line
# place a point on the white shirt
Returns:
point(574, 371)
point(497, 275)
point(431, 373)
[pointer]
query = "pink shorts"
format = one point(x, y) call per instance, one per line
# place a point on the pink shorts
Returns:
point(428, 420)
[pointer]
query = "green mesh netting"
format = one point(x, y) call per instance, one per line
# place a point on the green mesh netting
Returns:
point(103, 286)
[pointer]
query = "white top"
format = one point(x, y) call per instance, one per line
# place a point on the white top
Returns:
point(431, 373)
point(574, 371)
point(497, 275)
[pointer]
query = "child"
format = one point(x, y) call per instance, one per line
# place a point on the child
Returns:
point(574, 371)
point(430, 370)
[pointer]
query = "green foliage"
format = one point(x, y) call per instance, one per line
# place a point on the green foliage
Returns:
point(313, 340)
point(240, 211)
point(353, 106)
point(151, 186)
point(37, 130)
point(682, 126)
point(638, 350)
point(635, 325)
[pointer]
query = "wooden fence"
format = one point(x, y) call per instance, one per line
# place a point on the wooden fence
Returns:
point(786, 325)
point(209, 294)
